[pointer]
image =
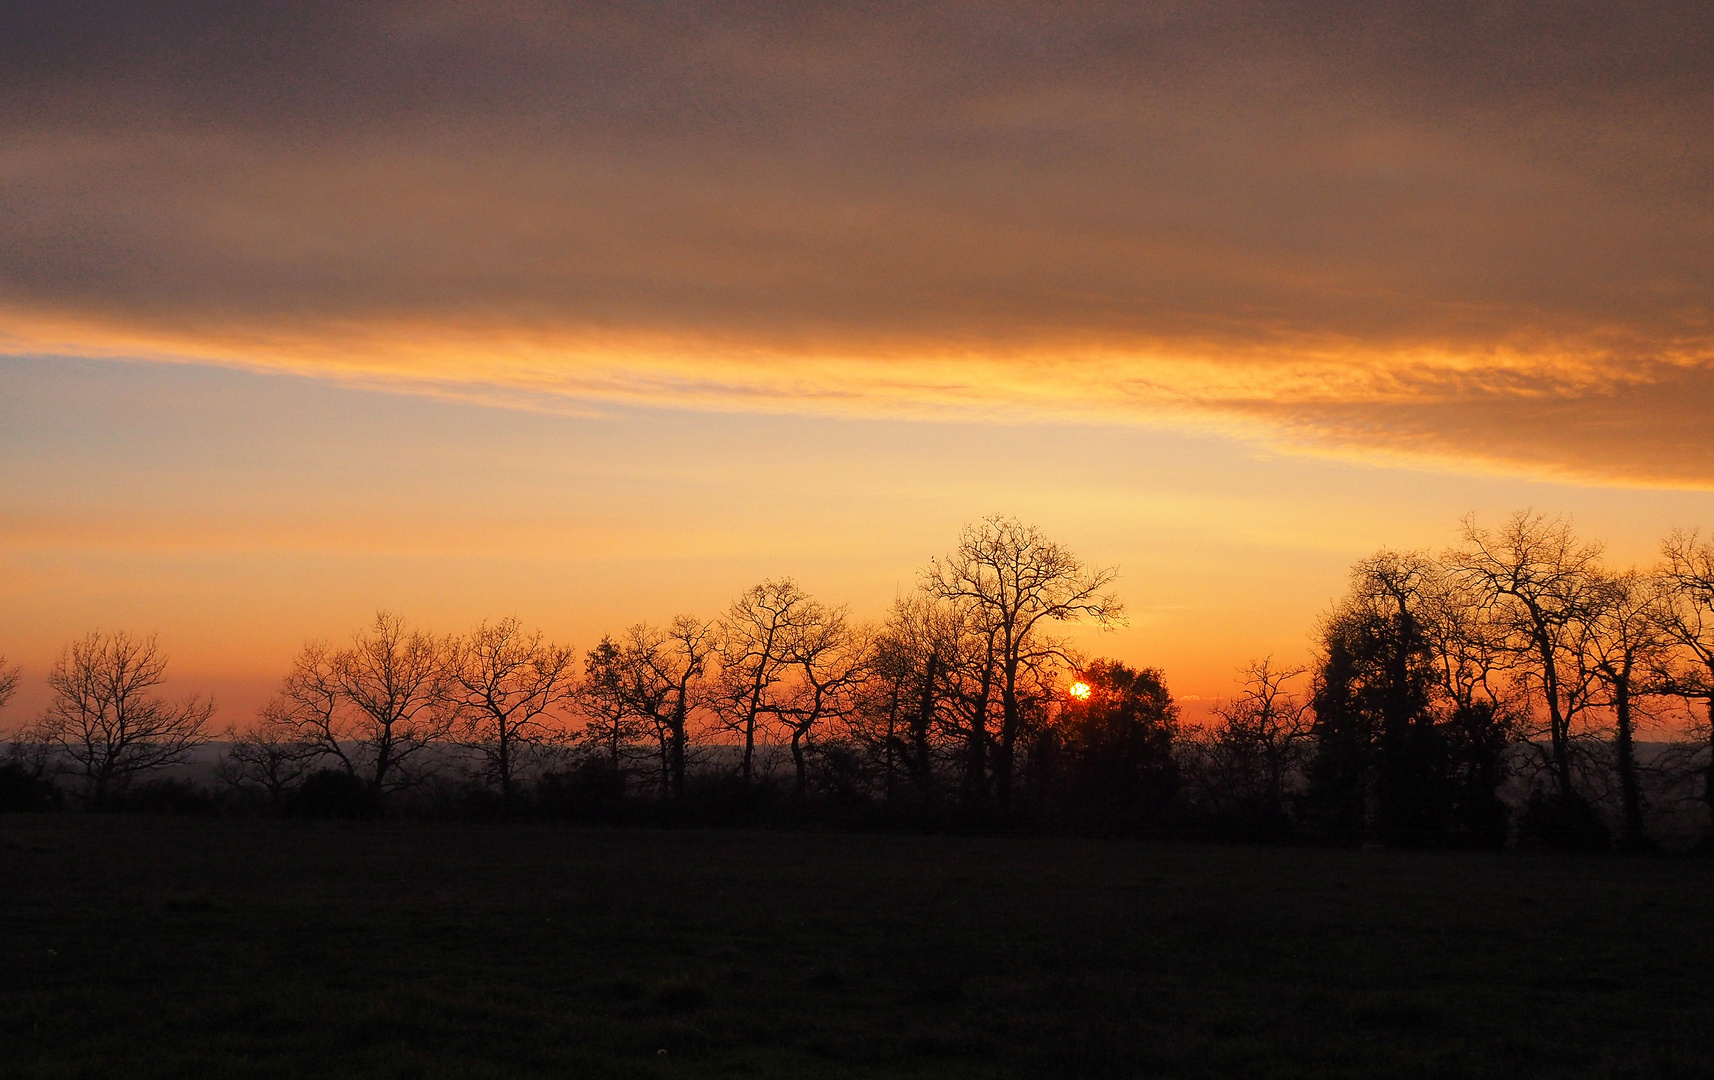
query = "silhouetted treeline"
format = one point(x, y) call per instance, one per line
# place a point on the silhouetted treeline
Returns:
point(1490, 692)
point(1494, 693)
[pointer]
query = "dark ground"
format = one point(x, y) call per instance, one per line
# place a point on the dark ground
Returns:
point(141, 947)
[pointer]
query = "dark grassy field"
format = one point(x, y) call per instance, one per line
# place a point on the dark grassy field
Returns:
point(142, 947)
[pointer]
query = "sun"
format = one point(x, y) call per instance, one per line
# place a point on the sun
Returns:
point(1079, 690)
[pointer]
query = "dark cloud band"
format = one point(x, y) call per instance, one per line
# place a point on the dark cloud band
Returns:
point(1384, 224)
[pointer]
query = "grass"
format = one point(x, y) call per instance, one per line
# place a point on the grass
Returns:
point(155, 947)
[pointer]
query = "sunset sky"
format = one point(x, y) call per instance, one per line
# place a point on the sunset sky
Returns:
point(599, 314)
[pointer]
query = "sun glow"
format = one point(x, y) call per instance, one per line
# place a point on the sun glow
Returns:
point(1079, 690)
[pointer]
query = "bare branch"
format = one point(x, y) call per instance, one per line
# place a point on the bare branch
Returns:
point(104, 719)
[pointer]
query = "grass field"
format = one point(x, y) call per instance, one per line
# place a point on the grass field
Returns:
point(145, 947)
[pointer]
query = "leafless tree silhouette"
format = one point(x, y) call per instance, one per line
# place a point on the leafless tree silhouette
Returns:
point(1438, 678)
point(372, 707)
point(505, 686)
point(618, 698)
point(1259, 743)
point(269, 757)
point(8, 681)
point(1014, 582)
point(1482, 702)
point(1688, 619)
point(1627, 639)
point(105, 719)
point(1543, 585)
point(828, 660)
point(647, 685)
point(897, 708)
point(670, 667)
point(1471, 641)
point(757, 636)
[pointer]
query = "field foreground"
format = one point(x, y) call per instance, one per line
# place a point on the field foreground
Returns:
point(146, 947)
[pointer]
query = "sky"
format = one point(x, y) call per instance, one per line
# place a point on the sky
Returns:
point(594, 314)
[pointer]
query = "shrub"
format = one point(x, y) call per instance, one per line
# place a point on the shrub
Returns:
point(1562, 823)
point(334, 793)
point(23, 788)
point(163, 796)
point(592, 791)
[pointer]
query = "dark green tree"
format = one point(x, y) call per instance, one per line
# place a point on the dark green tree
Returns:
point(1380, 767)
point(1114, 743)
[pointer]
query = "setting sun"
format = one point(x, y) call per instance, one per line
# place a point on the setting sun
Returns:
point(1079, 690)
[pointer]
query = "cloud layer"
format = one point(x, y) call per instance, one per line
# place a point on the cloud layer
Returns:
point(1466, 231)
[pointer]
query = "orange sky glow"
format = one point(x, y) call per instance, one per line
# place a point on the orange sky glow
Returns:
point(594, 315)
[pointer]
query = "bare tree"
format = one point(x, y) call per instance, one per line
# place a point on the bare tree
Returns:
point(963, 649)
point(1395, 586)
point(17, 751)
point(925, 697)
point(1688, 618)
point(269, 757)
point(1482, 703)
point(1258, 746)
point(756, 637)
point(105, 718)
point(828, 661)
point(505, 684)
point(372, 707)
point(618, 698)
point(1543, 584)
point(896, 709)
point(650, 690)
point(1627, 639)
point(8, 681)
point(647, 685)
point(1471, 642)
point(1015, 582)
point(677, 660)
point(309, 711)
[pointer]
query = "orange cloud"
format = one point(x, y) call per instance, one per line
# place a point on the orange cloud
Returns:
point(1391, 231)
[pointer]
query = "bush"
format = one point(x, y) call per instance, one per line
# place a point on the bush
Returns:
point(176, 797)
point(23, 788)
point(476, 802)
point(334, 793)
point(724, 800)
point(590, 792)
point(1562, 823)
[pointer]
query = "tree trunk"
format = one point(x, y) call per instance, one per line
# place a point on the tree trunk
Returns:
point(976, 748)
point(676, 762)
point(1008, 744)
point(665, 740)
point(798, 760)
point(749, 744)
point(919, 727)
point(1276, 779)
point(892, 741)
point(756, 701)
point(383, 762)
point(505, 772)
point(1629, 788)
point(1708, 779)
point(1399, 797)
point(1558, 725)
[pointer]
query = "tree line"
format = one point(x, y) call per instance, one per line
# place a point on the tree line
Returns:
point(1497, 688)
point(1472, 697)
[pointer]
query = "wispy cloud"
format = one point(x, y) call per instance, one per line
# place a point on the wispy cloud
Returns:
point(1477, 235)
